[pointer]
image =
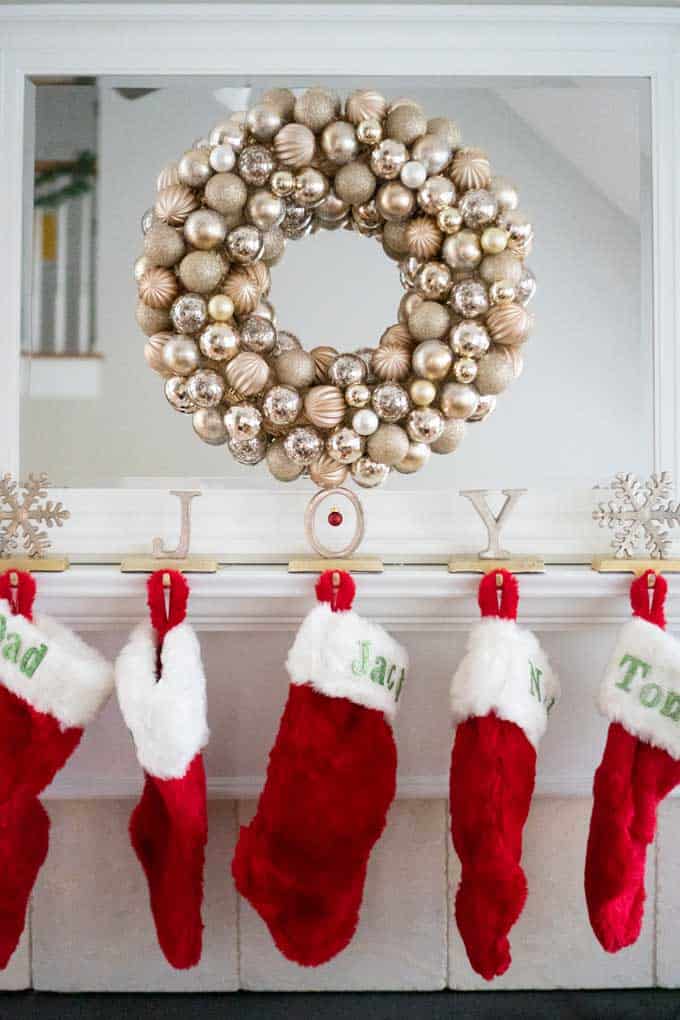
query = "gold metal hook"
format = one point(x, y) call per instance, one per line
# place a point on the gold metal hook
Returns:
point(499, 580)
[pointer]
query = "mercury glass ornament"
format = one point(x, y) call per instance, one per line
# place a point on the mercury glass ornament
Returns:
point(367, 219)
point(265, 210)
point(502, 292)
point(177, 395)
point(147, 221)
point(285, 341)
point(255, 164)
point(469, 299)
point(294, 145)
point(296, 368)
point(430, 320)
point(505, 194)
point(158, 287)
point(462, 250)
point(469, 339)
point(508, 324)
point(339, 142)
point(526, 288)
point(355, 183)
point(433, 152)
point(451, 437)
point(478, 207)
point(422, 392)
point(194, 168)
point(163, 245)
point(365, 421)
point(364, 104)
point(470, 169)
point(369, 473)
point(413, 174)
point(326, 472)
point(280, 465)
point(209, 427)
point(436, 194)
point(311, 187)
point(344, 445)
point(520, 230)
point(449, 220)
point(205, 229)
point(242, 421)
point(315, 108)
point(282, 405)
point(226, 193)
point(434, 280)
point(465, 370)
point(230, 132)
point(388, 158)
point(432, 360)
point(263, 121)
point(416, 458)
point(201, 271)
point(303, 445)
point(357, 395)
point(219, 342)
point(297, 221)
point(174, 204)
point(369, 131)
point(388, 445)
point(244, 244)
point(424, 425)
point(346, 370)
point(247, 373)
point(205, 387)
point(222, 158)
point(390, 402)
point(189, 313)
point(485, 407)
point(249, 451)
point(282, 183)
point(258, 334)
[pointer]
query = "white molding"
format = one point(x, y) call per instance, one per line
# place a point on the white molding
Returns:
point(344, 40)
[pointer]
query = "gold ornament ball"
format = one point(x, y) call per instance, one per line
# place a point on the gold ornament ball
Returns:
point(296, 368)
point(280, 465)
point(245, 288)
point(168, 176)
point(436, 194)
point(395, 241)
point(205, 229)
point(451, 437)
point(369, 131)
point(344, 445)
point(325, 406)
point(470, 169)
point(417, 457)
point(151, 320)
point(357, 395)
point(504, 266)
point(153, 352)
point(365, 104)
point(221, 308)
point(282, 183)
point(458, 400)
point(462, 250)
point(194, 168)
point(449, 220)
point(273, 245)
point(265, 210)
point(174, 204)
point(163, 245)
point(397, 336)
point(180, 356)
point(408, 305)
point(432, 360)
point(425, 425)
point(201, 271)
point(394, 201)
point(369, 473)
point(315, 108)
point(423, 237)
point(226, 193)
point(219, 342)
point(508, 324)
point(388, 445)
point(434, 280)
point(465, 370)
point(263, 121)
point(282, 100)
point(311, 187)
point(391, 363)
point(494, 240)
point(339, 142)
point(448, 130)
point(422, 392)
point(158, 287)
point(495, 371)
point(327, 473)
point(140, 267)
point(209, 426)
point(247, 373)
point(430, 320)
point(405, 124)
point(294, 146)
point(433, 151)
point(505, 193)
point(355, 183)
point(323, 359)
point(502, 292)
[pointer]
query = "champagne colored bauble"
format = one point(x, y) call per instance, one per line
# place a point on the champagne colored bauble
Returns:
point(297, 222)
point(433, 152)
point(432, 360)
point(436, 194)
point(273, 245)
point(294, 146)
point(478, 208)
point(244, 289)
point(282, 100)
point(201, 271)
point(222, 158)
point(174, 204)
point(405, 124)
point(465, 370)
point(470, 169)
point(423, 237)
point(285, 341)
point(355, 183)
point(230, 132)
point(244, 244)
point(194, 168)
point(163, 245)
point(369, 131)
point(365, 421)
point(449, 220)
point(462, 250)
point(339, 142)
point(168, 177)
point(209, 426)
point(255, 164)
point(446, 128)
point(265, 210)
point(177, 395)
point(397, 336)
point(504, 266)
point(247, 373)
point(189, 313)
point(502, 293)
point(158, 287)
point(221, 308)
point(303, 445)
point(148, 220)
point(424, 425)
point(280, 465)
point(526, 288)
point(358, 395)
point(205, 229)
point(388, 445)
point(205, 388)
point(152, 320)
point(327, 473)
point(263, 121)
point(469, 339)
point(226, 193)
point(505, 194)
point(390, 402)
point(388, 158)
point(332, 212)
point(365, 104)
point(422, 392)
point(369, 473)
point(495, 371)
point(433, 281)
point(494, 240)
point(391, 363)
point(219, 342)
point(248, 451)
point(416, 458)
point(430, 320)
point(469, 299)
point(485, 407)
point(153, 352)
point(344, 445)
point(508, 324)
point(520, 230)
point(315, 108)
point(296, 368)
point(323, 359)
point(140, 267)
point(408, 305)
point(282, 405)
point(394, 240)
point(413, 174)
point(452, 436)
point(243, 421)
point(325, 406)
point(394, 201)
point(258, 334)
point(311, 187)
point(458, 400)
point(346, 370)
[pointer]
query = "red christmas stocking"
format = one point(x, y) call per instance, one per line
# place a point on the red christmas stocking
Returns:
point(51, 685)
point(331, 779)
point(640, 695)
point(501, 695)
point(161, 692)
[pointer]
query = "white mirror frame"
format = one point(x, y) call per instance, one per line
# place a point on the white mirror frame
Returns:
point(353, 41)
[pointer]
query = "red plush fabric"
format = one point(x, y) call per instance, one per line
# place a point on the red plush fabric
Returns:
point(331, 778)
point(492, 775)
point(631, 780)
point(168, 830)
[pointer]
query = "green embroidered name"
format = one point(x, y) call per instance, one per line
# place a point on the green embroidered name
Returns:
point(31, 658)
point(379, 670)
point(535, 689)
point(649, 694)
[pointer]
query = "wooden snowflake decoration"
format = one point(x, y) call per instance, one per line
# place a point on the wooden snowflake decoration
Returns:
point(23, 508)
point(640, 514)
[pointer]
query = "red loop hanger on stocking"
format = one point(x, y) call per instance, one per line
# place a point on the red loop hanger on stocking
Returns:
point(499, 599)
point(336, 587)
point(18, 587)
point(648, 609)
point(162, 620)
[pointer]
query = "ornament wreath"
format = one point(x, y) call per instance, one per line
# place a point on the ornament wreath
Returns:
point(292, 165)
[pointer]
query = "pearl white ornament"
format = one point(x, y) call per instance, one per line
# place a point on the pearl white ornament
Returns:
point(365, 422)
point(222, 159)
point(413, 174)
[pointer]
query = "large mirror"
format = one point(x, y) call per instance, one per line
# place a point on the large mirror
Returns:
point(94, 415)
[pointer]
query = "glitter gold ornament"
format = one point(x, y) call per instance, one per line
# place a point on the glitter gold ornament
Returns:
point(158, 287)
point(365, 104)
point(283, 100)
point(355, 183)
point(296, 368)
point(430, 320)
point(201, 271)
point(451, 437)
point(248, 373)
point(408, 305)
point(226, 193)
point(394, 240)
point(151, 320)
point(163, 245)
point(294, 145)
point(508, 324)
point(273, 245)
point(280, 465)
point(389, 444)
point(405, 124)
point(325, 406)
point(315, 108)
point(470, 169)
point(446, 128)
point(326, 472)
point(391, 363)
point(174, 204)
point(495, 371)
point(323, 359)
point(503, 266)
